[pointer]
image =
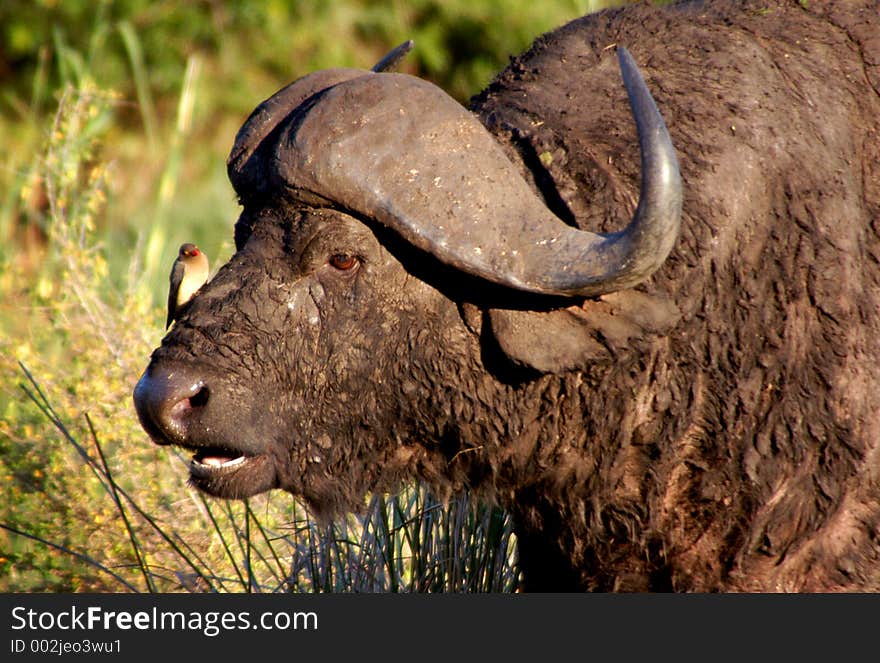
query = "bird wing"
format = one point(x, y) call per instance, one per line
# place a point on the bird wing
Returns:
point(176, 278)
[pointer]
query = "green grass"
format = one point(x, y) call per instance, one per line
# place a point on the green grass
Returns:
point(116, 118)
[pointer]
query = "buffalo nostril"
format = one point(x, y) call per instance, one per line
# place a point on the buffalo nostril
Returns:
point(200, 398)
point(182, 410)
point(166, 401)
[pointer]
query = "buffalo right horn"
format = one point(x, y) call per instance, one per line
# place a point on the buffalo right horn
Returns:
point(394, 56)
point(398, 149)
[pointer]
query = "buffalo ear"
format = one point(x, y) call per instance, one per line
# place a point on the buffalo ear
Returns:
point(575, 337)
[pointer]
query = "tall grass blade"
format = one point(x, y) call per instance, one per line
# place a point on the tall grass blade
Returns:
point(158, 237)
point(71, 67)
point(38, 92)
point(281, 576)
point(135, 54)
point(248, 548)
point(151, 588)
point(223, 542)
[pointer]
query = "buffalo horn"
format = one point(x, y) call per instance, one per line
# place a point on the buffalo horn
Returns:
point(395, 55)
point(398, 149)
point(247, 172)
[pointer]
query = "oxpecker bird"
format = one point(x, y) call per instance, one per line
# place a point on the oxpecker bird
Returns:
point(189, 273)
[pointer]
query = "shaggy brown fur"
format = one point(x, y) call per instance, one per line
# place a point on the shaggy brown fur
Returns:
point(742, 449)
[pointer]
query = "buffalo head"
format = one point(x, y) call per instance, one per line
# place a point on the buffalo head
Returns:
point(332, 354)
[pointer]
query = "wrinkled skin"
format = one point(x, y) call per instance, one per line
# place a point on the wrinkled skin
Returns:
point(715, 428)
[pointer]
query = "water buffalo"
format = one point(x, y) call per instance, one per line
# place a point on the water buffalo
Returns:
point(670, 382)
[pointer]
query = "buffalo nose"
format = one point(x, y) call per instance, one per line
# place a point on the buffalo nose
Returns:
point(166, 400)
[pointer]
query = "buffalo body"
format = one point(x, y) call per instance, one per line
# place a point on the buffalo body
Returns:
point(715, 426)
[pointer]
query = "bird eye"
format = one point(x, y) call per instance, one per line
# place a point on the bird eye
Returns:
point(343, 261)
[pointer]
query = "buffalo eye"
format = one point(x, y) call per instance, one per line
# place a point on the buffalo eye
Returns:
point(343, 261)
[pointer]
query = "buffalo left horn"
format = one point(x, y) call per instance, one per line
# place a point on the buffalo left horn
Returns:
point(245, 166)
point(398, 149)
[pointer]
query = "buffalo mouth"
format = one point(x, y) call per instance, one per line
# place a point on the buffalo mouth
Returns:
point(229, 473)
point(176, 407)
point(217, 460)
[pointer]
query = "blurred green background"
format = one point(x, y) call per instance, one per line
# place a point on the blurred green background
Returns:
point(115, 121)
